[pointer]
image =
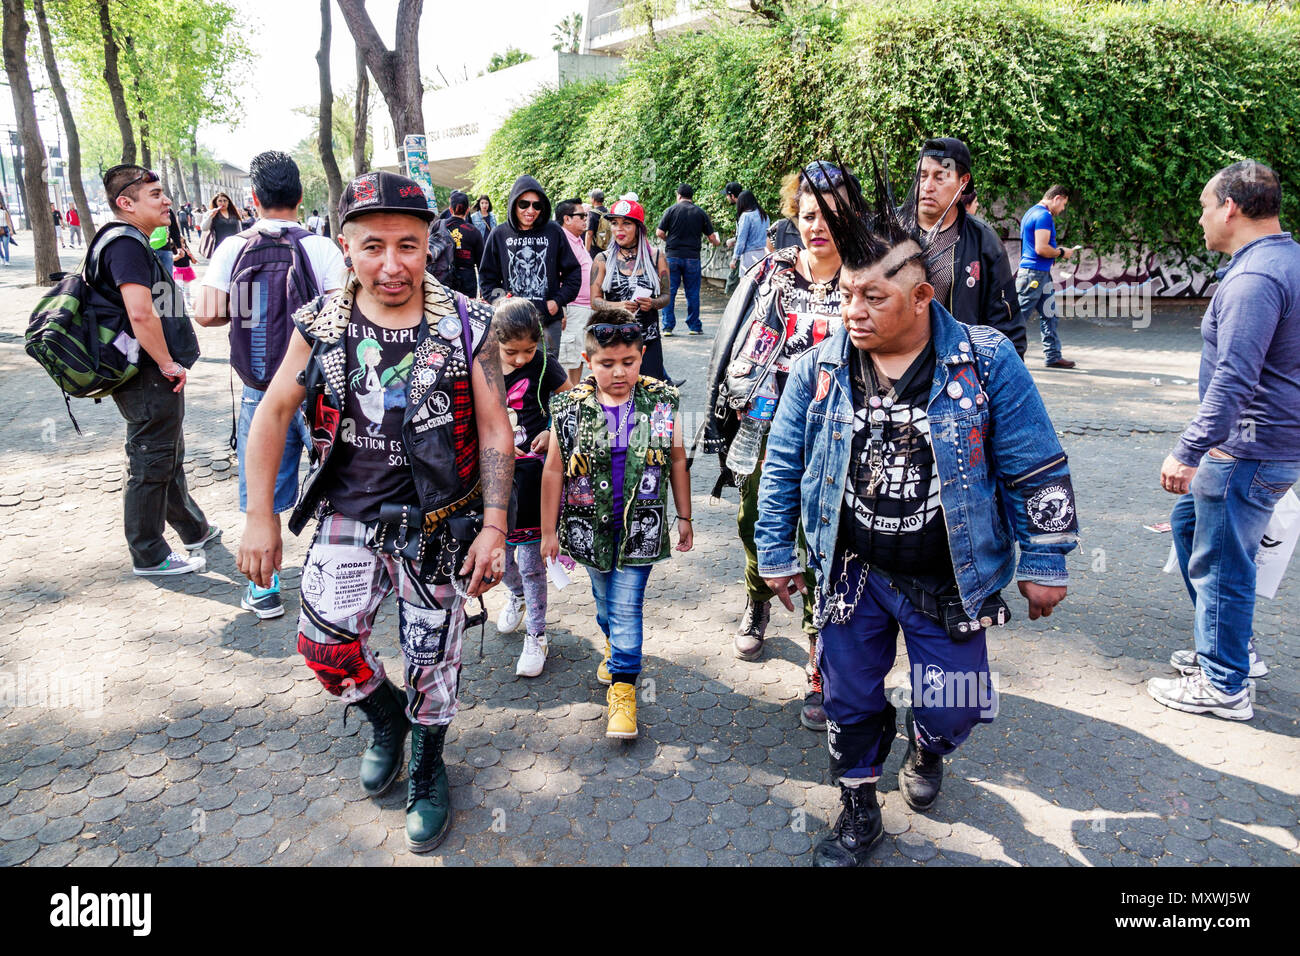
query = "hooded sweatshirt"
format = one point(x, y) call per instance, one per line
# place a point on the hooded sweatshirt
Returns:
point(535, 264)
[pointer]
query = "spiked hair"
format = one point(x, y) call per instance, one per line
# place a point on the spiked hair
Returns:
point(865, 233)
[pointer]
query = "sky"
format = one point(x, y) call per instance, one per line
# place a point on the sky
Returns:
point(284, 35)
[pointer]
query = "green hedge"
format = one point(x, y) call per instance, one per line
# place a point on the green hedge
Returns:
point(1134, 106)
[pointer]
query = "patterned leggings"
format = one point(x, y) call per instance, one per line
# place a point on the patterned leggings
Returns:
point(343, 583)
point(526, 578)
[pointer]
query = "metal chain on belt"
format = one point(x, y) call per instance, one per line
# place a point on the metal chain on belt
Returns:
point(833, 606)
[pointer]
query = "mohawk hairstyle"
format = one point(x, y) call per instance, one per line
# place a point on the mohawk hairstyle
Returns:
point(865, 233)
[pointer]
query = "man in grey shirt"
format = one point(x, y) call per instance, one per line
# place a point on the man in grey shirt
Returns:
point(1241, 453)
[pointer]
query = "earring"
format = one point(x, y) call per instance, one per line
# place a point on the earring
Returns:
point(347, 262)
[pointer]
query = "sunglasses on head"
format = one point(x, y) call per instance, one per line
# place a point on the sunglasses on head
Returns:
point(824, 176)
point(528, 204)
point(606, 332)
point(148, 176)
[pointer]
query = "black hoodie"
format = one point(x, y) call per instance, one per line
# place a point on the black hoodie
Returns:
point(535, 264)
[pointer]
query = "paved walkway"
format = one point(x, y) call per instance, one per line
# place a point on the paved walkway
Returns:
point(145, 723)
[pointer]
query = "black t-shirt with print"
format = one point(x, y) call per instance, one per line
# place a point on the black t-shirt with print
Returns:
point(900, 528)
point(370, 467)
point(812, 312)
point(125, 260)
point(528, 396)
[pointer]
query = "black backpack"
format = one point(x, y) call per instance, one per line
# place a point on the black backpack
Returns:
point(86, 346)
point(442, 252)
point(272, 278)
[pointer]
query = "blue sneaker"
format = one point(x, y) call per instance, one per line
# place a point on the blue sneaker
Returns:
point(264, 602)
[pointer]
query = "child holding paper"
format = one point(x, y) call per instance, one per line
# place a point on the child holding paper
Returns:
point(617, 451)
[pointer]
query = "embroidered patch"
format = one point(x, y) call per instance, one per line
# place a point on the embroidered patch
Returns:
point(761, 344)
point(975, 438)
point(581, 536)
point(661, 421)
point(643, 535)
point(423, 634)
point(823, 386)
point(365, 190)
point(648, 489)
point(1050, 508)
point(578, 491)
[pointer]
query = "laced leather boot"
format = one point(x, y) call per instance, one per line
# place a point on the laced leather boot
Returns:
point(921, 774)
point(857, 830)
point(386, 711)
point(748, 642)
point(428, 801)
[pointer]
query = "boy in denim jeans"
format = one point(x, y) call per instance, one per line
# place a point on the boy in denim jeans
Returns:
point(605, 485)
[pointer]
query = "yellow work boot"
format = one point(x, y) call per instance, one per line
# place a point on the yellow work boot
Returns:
point(602, 670)
point(622, 711)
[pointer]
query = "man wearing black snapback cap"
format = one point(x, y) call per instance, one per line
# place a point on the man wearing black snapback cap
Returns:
point(965, 259)
point(467, 246)
point(412, 458)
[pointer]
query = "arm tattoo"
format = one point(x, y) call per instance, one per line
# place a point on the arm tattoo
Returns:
point(489, 359)
point(496, 472)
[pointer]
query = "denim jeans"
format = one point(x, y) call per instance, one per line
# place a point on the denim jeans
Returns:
point(298, 438)
point(1217, 529)
point(1040, 298)
point(684, 272)
point(4, 245)
point(167, 258)
point(951, 687)
point(620, 597)
point(156, 491)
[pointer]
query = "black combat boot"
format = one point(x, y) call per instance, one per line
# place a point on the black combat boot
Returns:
point(856, 831)
point(428, 801)
point(921, 774)
point(386, 711)
point(753, 628)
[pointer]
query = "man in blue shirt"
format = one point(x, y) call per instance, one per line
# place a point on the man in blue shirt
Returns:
point(1034, 282)
point(1241, 453)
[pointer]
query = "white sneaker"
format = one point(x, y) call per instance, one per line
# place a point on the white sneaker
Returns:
point(175, 564)
point(1196, 695)
point(511, 614)
point(1187, 663)
point(533, 657)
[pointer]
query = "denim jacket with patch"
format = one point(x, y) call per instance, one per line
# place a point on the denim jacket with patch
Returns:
point(1002, 474)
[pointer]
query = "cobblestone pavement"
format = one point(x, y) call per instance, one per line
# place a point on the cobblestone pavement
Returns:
point(145, 723)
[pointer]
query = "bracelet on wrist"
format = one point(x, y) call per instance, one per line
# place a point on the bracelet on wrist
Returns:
point(687, 520)
point(495, 528)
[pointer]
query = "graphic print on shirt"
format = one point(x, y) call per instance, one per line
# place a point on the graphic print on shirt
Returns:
point(527, 268)
point(901, 505)
point(810, 316)
point(643, 538)
point(381, 362)
point(514, 405)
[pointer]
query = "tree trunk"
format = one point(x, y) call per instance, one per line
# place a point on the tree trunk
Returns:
point(360, 117)
point(146, 159)
point(194, 170)
point(326, 135)
point(69, 124)
point(114, 80)
point(164, 175)
point(180, 179)
point(396, 71)
point(20, 85)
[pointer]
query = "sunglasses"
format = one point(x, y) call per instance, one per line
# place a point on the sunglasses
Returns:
point(148, 176)
point(528, 204)
point(606, 333)
point(824, 176)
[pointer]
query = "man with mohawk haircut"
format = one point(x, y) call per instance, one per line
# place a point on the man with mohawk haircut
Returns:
point(916, 450)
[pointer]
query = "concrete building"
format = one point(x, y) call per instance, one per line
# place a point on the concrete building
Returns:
point(232, 181)
point(461, 118)
point(604, 30)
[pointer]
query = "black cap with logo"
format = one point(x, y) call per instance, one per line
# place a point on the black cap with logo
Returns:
point(383, 192)
point(949, 147)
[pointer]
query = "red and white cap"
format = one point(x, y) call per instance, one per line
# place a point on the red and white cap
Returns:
point(627, 209)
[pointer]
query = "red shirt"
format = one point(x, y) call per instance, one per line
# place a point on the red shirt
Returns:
point(72, 219)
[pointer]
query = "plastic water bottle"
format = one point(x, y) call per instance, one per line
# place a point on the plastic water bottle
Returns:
point(742, 457)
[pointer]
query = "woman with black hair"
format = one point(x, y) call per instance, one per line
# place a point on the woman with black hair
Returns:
point(751, 231)
point(483, 218)
point(219, 223)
